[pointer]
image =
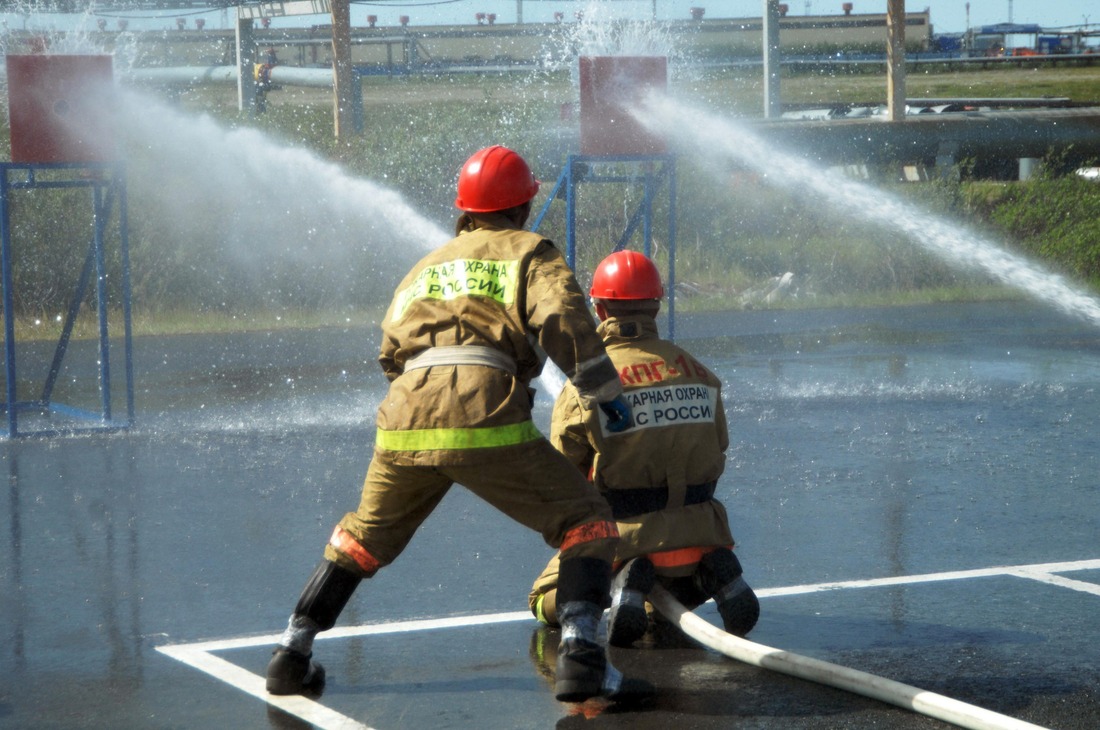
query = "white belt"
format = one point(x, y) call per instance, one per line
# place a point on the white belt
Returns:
point(462, 355)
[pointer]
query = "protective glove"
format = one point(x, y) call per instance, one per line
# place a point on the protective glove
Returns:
point(618, 414)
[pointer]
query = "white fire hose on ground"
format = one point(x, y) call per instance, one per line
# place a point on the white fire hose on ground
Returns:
point(833, 675)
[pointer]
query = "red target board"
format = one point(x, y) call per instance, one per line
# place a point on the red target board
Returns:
point(59, 108)
point(611, 86)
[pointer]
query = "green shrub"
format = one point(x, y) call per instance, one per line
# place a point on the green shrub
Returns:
point(1051, 218)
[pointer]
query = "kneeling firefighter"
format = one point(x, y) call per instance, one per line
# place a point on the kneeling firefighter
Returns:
point(458, 349)
point(660, 476)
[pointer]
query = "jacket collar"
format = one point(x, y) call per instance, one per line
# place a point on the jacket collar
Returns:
point(632, 327)
point(491, 221)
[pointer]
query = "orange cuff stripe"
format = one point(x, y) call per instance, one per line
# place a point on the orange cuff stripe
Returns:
point(588, 532)
point(678, 558)
point(343, 542)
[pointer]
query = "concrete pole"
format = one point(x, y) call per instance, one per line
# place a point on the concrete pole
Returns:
point(343, 75)
point(519, 12)
point(895, 59)
point(246, 57)
point(772, 105)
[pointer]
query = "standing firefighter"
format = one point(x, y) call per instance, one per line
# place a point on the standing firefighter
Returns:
point(458, 349)
point(659, 477)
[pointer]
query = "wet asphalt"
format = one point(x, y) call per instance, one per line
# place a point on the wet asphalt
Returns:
point(144, 573)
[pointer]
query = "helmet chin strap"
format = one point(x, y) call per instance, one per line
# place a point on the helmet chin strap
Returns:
point(522, 213)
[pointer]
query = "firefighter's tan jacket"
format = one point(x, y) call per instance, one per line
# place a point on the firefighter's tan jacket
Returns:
point(508, 294)
point(678, 440)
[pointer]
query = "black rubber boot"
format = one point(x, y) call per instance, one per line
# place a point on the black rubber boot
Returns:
point(327, 591)
point(719, 577)
point(583, 671)
point(627, 621)
point(580, 670)
point(292, 673)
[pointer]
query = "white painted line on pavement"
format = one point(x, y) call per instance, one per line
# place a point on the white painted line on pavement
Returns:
point(1058, 580)
point(304, 708)
point(199, 654)
point(932, 577)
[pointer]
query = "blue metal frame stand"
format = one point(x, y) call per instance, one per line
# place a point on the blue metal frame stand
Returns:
point(653, 172)
point(107, 184)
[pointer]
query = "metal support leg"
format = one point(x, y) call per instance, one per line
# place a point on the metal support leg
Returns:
point(656, 170)
point(107, 188)
point(9, 308)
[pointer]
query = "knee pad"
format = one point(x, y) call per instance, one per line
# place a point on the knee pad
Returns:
point(326, 593)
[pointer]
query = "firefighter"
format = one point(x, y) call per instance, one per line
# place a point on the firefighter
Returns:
point(459, 348)
point(659, 477)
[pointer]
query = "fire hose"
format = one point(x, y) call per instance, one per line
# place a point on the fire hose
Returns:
point(852, 680)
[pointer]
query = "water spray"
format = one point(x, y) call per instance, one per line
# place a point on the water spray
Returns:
point(719, 140)
point(723, 141)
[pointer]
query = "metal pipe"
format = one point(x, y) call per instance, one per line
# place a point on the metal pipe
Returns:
point(1005, 134)
point(833, 675)
point(187, 75)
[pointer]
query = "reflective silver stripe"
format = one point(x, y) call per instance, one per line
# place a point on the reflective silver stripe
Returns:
point(589, 364)
point(462, 355)
point(729, 591)
point(596, 381)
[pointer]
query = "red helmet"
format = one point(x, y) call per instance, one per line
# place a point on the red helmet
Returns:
point(495, 178)
point(627, 275)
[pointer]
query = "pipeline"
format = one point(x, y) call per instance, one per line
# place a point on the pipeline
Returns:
point(990, 133)
point(189, 75)
point(852, 680)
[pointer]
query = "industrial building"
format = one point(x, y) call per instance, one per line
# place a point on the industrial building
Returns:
point(485, 42)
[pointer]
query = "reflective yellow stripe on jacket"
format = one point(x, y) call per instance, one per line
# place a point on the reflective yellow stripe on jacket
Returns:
point(450, 439)
point(447, 280)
